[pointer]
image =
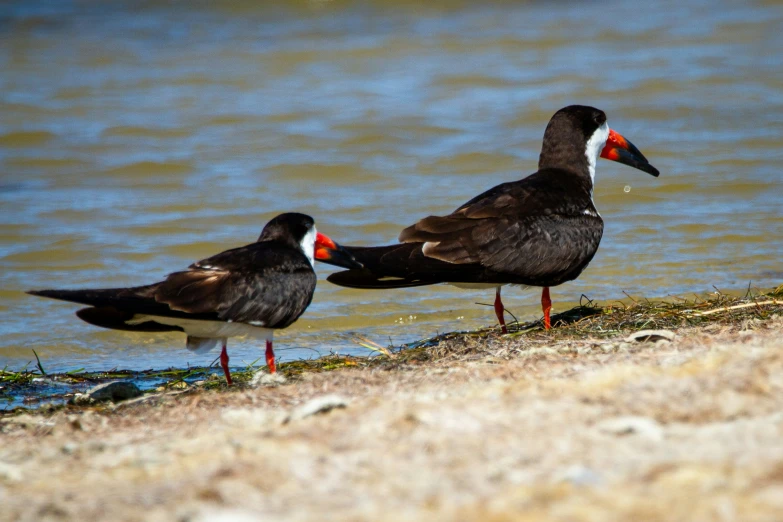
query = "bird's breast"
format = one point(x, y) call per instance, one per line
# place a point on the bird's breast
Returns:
point(207, 329)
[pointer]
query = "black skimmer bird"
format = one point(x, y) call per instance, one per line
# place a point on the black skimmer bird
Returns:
point(542, 230)
point(251, 290)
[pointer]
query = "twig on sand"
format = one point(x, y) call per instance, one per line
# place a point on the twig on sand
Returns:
point(737, 307)
point(371, 345)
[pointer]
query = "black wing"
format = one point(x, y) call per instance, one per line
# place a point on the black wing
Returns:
point(264, 283)
point(542, 229)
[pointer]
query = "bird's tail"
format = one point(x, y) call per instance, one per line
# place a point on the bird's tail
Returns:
point(114, 307)
point(101, 296)
point(384, 267)
point(117, 319)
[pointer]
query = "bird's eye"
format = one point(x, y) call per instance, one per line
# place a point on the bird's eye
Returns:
point(599, 118)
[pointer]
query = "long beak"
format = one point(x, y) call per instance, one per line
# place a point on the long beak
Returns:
point(330, 252)
point(619, 149)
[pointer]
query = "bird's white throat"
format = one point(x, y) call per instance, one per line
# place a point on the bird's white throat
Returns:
point(308, 245)
point(595, 145)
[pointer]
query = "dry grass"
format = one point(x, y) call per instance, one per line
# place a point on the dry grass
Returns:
point(590, 322)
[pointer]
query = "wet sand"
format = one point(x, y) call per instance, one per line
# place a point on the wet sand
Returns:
point(581, 430)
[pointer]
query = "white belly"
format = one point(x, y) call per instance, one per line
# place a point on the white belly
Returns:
point(208, 329)
point(475, 286)
point(483, 286)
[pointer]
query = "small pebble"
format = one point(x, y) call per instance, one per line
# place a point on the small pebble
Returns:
point(632, 425)
point(114, 391)
point(643, 336)
point(318, 405)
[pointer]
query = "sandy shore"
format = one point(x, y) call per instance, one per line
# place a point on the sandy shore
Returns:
point(590, 430)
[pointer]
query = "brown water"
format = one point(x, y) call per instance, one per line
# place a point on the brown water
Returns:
point(138, 137)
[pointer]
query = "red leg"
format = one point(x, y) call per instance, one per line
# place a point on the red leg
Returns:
point(499, 309)
point(270, 357)
point(546, 306)
point(224, 364)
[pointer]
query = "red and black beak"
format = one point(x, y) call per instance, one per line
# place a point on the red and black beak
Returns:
point(330, 252)
point(619, 149)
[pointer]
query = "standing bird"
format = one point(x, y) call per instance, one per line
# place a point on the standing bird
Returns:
point(542, 230)
point(250, 290)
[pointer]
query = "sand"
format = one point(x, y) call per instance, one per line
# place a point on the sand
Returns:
point(589, 430)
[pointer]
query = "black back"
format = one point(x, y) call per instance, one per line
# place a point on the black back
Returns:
point(542, 231)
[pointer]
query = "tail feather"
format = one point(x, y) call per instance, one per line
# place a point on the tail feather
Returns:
point(101, 296)
point(364, 278)
point(112, 307)
point(111, 317)
point(405, 265)
point(384, 267)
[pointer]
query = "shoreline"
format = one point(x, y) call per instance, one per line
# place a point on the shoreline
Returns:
point(534, 426)
point(36, 389)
